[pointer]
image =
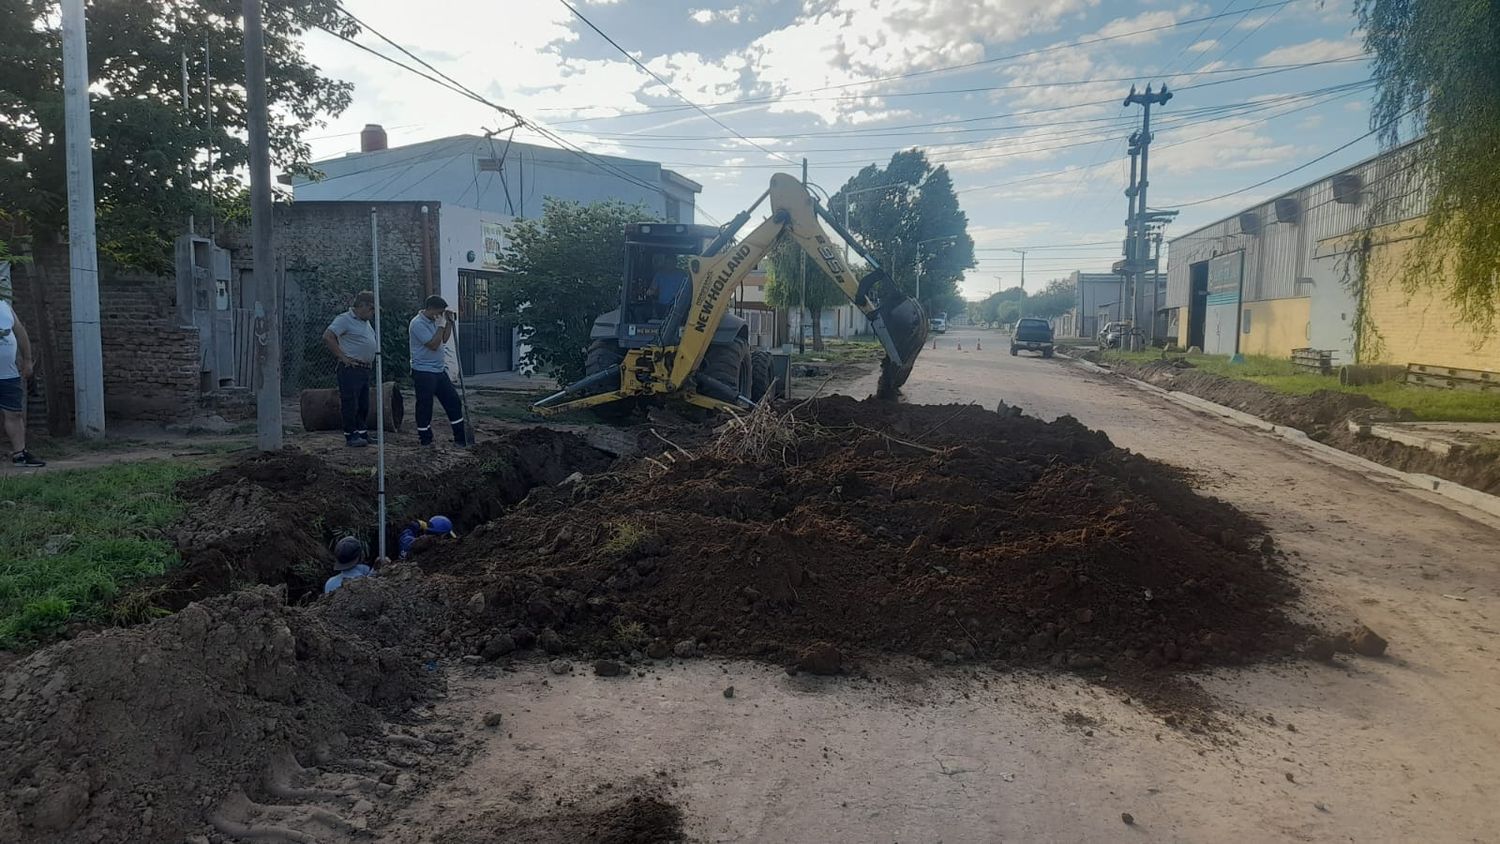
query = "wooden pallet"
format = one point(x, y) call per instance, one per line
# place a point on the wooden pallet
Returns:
point(1318, 361)
point(1452, 378)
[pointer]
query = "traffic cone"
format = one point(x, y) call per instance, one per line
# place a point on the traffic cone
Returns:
point(934, 344)
point(978, 346)
point(960, 345)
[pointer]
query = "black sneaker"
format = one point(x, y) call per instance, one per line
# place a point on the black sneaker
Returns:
point(25, 460)
point(355, 442)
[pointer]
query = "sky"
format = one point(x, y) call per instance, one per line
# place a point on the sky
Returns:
point(1022, 100)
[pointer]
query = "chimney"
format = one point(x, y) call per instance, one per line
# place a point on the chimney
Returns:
point(372, 138)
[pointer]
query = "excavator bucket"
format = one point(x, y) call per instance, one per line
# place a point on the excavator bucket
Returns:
point(900, 324)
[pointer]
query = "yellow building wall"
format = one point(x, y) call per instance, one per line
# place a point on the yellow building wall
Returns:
point(1421, 327)
point(1277, 326)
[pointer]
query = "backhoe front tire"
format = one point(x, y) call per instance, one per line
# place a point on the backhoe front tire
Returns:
point(603, 354)
point(760, 374)
point(729, 363)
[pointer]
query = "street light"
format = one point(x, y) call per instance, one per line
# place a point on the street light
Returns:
point(950, 238)
point(1021, 306)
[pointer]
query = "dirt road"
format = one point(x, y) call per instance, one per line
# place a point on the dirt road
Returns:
point(1402, 748)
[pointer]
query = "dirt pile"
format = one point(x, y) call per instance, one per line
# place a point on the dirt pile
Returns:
point(639, 819)
point(135, 735)
point(272, 519)
point(944, 532)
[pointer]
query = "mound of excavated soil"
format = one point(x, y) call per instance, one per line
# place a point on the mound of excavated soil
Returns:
point(641, 819)
point(135, 735)
point(272, 519)
point(943, 532)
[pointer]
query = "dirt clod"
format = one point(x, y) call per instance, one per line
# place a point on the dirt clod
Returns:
point(493, 719)
point(560, 666)
point(823, 659)
point(1367, 642)
point(1128, 818)
point(729, 692)
point(608, 668)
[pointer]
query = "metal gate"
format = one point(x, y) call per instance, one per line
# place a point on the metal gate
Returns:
point(485, 342)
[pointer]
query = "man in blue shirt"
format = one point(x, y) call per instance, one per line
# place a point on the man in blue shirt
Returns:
point(348, 563)
point(429, 330)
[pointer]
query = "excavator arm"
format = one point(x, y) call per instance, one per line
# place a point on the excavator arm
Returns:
point(675, 365)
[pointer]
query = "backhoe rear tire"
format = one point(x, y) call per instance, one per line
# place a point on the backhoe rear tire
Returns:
point(729, 363)
point(602, 355)
point(760, 374)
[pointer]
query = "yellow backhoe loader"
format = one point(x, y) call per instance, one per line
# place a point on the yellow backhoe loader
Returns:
point(673, 335)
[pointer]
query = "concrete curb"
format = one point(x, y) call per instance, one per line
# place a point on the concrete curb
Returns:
point(1481, 501)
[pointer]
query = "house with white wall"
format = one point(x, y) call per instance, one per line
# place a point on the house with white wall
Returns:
point(477, 186)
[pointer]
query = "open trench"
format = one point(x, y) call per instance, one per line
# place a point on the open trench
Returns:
point(273, 519)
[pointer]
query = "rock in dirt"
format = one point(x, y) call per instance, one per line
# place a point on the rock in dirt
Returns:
point(497, 646)
point(822, 658)
point(1321, 648)
point(729, 692)
point(493, 719)
point(476, 603)
point(551, 642)
point(523, 637)
point(658, 649)
point(1128, 818)
point(1367, 642)
point(560, 666)
point(608, 668)
point(686, 649)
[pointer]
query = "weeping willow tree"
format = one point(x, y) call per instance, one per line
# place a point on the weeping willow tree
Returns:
point(1437, 69)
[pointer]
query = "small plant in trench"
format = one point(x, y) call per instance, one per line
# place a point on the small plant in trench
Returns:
point(630, 634)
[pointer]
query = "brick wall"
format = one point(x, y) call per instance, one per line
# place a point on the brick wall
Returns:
point(324, 249)
point(150, 362)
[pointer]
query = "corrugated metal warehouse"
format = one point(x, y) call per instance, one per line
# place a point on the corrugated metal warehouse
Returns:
point(1277, 276)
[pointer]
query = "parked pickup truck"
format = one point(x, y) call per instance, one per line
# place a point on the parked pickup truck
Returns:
point(1032, 334)
point(938, 325)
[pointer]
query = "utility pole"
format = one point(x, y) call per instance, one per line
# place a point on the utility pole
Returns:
point(1130, 193)
point(805, 312)
point(83, 250)
point(267, 302)
point(1022, 253)
point(1140, 243)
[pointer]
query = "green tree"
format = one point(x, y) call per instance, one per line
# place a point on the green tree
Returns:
point(907, 214)
point(1056, 299)
point(784, 288)
point(1437, 67)
point(999, 308)
point(563, 271)
point(150, 153)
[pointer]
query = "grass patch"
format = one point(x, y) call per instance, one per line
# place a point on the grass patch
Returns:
point(857, 350)
point(70, 541)
point(627, 537)
point(1427, 404)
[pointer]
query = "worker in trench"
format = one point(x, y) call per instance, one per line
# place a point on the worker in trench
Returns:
point(351, 340)
point(428, 331)
point(348, 563)
point(419, 534)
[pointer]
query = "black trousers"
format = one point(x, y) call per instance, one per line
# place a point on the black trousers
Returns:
point(354, 398)
point(436, 384)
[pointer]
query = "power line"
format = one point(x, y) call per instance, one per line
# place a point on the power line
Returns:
point(468, 93)
point(654, 75)
point(1303, 166)
point(998, 59)
point(982, 89)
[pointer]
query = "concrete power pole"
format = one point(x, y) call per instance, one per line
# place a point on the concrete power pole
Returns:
point(83, 251)
point(1140, 242)
point(267, 301)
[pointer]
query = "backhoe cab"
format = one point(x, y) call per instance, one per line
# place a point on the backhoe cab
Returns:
point(673, 334)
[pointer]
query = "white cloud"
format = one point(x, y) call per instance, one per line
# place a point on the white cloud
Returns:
point(1319, 49)
point(1203, 46)
point(733, 14)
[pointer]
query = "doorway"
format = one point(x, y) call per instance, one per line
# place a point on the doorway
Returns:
point(1198, 304)
point(484, 339)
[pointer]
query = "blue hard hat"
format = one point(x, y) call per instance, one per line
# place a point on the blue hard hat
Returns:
point(439, 524)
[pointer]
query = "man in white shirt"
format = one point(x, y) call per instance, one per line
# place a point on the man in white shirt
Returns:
point(351, 340)
point(15, 370)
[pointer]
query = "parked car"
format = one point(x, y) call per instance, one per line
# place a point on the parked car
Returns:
point(938, 325)
point(1032, 334)
point(1111, 334)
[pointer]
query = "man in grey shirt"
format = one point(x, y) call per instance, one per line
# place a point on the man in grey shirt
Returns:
point(351, 339)
point(429, 330)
